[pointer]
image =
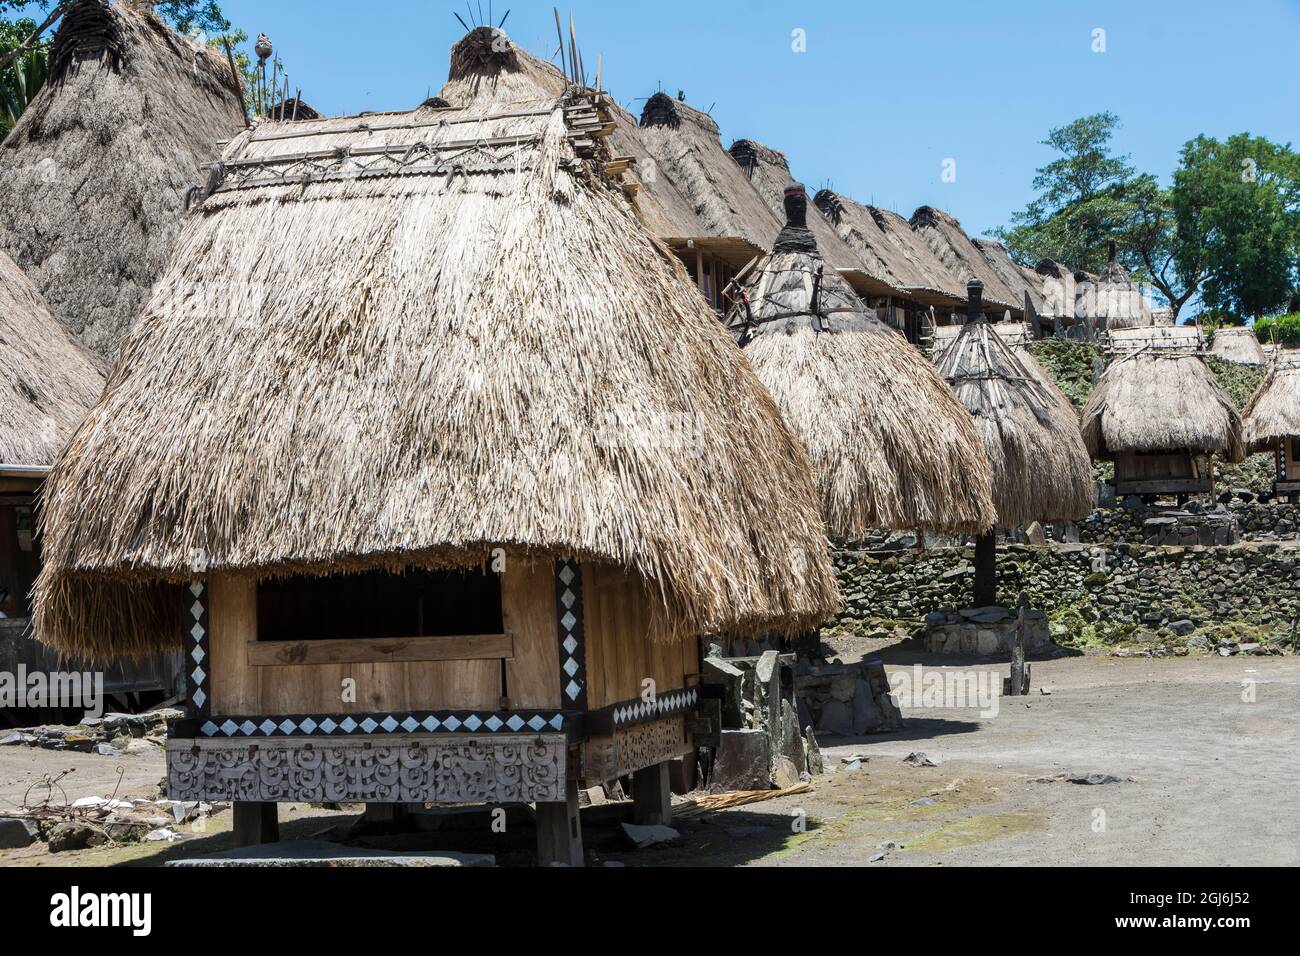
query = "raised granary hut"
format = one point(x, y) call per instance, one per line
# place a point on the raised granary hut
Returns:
point(1272, 422)
point(456, 481)
point(1041, 470)
point(1239, 345)
point(1159, 414)
point(890, 446)
point(95, 174)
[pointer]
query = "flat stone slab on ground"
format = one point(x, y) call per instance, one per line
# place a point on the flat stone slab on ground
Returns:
point(314, 853)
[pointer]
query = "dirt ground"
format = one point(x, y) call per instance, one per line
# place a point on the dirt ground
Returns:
point(1213, 783)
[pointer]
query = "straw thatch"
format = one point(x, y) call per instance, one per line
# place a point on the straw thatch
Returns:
point(1113, 300)
point(1238, 345)
point(47, 380)
point(891, 251)
point(1041, 470)
point(1273, 412)
point(890, 447)
point(1025, 284)
point(94, 176)
point(962, 257)
point(490, 72)
point(769, 172)
point(1159, 395)
point(463, 349)
point(1017, 337)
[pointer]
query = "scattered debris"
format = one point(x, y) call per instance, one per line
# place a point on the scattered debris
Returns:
point(17, 834)
point(924, 802)
point(112, 735)
point(1097, 779)
point(879, 857)
point(919, 759)
point(642, 837)
point(75, 836)
point(726, 801)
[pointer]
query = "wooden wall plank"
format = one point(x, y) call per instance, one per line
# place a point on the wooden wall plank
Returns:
point(462, 685)
point(232, 623)
point(528, 612)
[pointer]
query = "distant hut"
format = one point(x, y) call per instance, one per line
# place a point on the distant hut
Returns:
point(1041, 470)
point(1272, 423)
point(1024, 283)
point(461, 434)
point(1159, 415)
point(94, 176)
point(1112, 301)
point(964, 259)
point(769, 171)
point(1238, 345)
point(890, 446)
point(1060, 286)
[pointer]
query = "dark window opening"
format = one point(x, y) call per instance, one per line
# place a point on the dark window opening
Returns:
point(379, 605)
point(20, 556)
point(1295, 449)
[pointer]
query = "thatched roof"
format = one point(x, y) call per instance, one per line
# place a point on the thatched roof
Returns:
point(1238, 345)
point(891, 251)
point(1041, 470)
point(292, 109)
point(489, 71)
point(890, 447)
point(1016, 335)
point(1113, 300)
point(769, 171)
point(47, 380)
point(962, 257)
point(466, 348)
point(1273, 412)
point(94, 176)
point(1020, 280)
point(1159, 395)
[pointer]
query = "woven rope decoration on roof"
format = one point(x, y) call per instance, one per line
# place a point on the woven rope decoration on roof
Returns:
point(89, 30)
point(482, 52)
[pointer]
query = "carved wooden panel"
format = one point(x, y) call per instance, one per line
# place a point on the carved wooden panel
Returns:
point(634, 748)
point(519, 769)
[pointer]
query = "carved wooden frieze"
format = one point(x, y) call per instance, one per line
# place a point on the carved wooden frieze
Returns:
point(519, 769)
point(634, 748)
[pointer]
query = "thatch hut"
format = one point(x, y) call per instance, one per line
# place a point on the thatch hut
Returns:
point(890, 447)
point(1159, 414)
point(1271, 422)
point(489, 71)
point(1041, 470)
point(462, 435)
point(47, 384)
point(1112, 301)
point(769, 171)
point(1239, 345)
point(963, 258)
point(1026, 284)
point(94, 176)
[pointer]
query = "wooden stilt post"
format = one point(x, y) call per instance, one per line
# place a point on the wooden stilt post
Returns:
point(652, 801)
point(256, 823)
point(559, 831)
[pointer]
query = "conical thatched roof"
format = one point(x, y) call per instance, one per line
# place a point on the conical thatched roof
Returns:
point(94, 176)
point(1041, 470)
point(489, 71)
point(1158, 395)
point(1113, 300)
point(1017, 337)
point(769, 171)
point(1238, 345)
point(962, 257)
point(1274, 410)
point(890, 447)
point(47, 380)
point(466, 348)
point(891, 251)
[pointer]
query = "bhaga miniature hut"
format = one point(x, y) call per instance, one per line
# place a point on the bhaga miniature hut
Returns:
point(890, 447)
point(94, 176)
point(1041, 470)
point(1159, 415)
point(440, 498)
point(1239, 345)
point(1272, 423)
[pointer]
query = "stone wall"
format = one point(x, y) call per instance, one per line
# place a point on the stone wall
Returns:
point(1275, 521)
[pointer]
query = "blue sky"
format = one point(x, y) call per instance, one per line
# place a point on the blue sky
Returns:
point(887, 90)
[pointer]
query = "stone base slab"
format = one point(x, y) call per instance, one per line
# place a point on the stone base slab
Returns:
point(986, 632)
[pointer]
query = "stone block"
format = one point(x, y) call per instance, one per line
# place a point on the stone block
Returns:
point(743, 762)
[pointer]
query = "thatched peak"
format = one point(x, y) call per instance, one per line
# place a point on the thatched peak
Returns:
point(1112, 300)
point(1273, 412)
point(94, 175)
point(47, 380)
point(749, 155)
point(890, 447)
point(412, 368)
point(962, 257)
point(291, 110)
point(1041, 470)
point(663, 110)
point(1238, 345)
point(488, 69)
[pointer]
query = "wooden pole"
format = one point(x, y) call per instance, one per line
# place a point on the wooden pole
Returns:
point(559, 830)
point(652, 800)
point(256, 824)
point(986, 570)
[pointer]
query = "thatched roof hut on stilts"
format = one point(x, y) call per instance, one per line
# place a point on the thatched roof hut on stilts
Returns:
point(1272, 422)
point(1159, 414)
point(464, 441)
point(95, 174)
point(1041, 470)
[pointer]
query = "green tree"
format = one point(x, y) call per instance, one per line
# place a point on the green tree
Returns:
point(1082, 198)
point(23, 78)
point(1240, 200)
point(1171, 258)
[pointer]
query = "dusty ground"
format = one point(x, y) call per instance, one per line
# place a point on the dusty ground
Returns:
point(1214, 783)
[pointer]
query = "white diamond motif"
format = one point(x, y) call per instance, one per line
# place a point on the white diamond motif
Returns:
point(451, 723)
point(308, 726)
point(328, 726)
point(573, 690)
point(410, 725)
point(566, 575)
point(197, 610)
point(268, 727)
point(536, 723)
point(493, 723)
point(229, 728)
point(200, 698)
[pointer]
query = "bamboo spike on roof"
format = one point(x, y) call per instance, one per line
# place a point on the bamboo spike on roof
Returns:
point(1238, 345)
point(1273, 412)
point(95, 173)
point(47, 380)
point(890, 446)
point(962, 257)
point(1041, 470)
point(466, 348)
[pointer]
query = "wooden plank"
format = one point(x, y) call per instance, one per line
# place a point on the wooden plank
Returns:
point(381, 650)
point(232, 623)
point(458, 685)
point(528, 614)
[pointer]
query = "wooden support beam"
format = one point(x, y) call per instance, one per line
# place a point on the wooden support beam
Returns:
point(652, 799)
point(474, 647)
point(256, 824)
point(559, 831)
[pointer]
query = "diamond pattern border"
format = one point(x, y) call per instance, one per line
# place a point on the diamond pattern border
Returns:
point(196, 649)
point(573, 652)
point(664, 705)
point(384, 725)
